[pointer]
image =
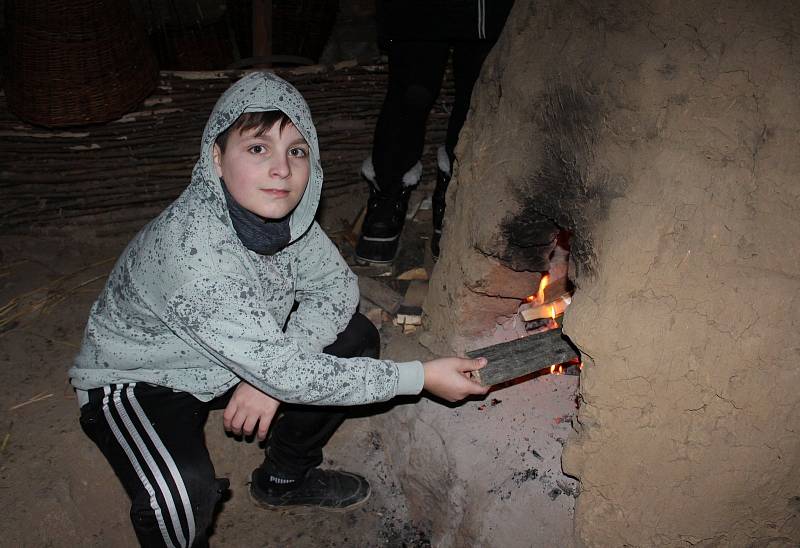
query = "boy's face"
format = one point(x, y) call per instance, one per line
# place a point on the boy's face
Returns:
point(266, 174)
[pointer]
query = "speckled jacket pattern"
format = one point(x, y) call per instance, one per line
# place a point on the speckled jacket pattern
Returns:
point(187, 306)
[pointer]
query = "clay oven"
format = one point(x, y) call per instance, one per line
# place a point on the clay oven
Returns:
point(663, 138)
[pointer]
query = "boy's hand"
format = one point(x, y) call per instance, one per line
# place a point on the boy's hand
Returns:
point(449, 378)
point(247, 407)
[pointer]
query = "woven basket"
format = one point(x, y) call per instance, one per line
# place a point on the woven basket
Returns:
point(76, 62)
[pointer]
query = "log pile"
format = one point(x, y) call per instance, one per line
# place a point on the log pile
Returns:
point(129, 169)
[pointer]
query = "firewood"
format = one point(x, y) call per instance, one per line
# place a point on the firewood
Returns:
point(547, 310)
point(418, 273)
point(557, 288)
point(519, 357)
point(410, 311)
point(380, 294)
point(375, 315)
point(355, 229)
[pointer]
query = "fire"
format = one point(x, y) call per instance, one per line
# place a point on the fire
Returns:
point(550, 310)
point(542, 285)
point(534, 307)
point(539, 297)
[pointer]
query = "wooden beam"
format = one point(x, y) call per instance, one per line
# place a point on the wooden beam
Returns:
point(262, 30)
point(380, 294)
point(519, 357)
point(410, 311)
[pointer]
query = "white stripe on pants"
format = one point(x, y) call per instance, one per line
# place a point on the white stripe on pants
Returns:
point(164, 492)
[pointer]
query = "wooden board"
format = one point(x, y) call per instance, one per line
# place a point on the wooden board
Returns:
point(410, 311)
point(519, 357)
point(380, 294)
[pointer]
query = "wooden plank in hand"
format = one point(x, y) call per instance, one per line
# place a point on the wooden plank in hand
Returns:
point(519, 357)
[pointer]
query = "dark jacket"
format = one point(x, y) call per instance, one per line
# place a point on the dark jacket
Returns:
point(441, 20)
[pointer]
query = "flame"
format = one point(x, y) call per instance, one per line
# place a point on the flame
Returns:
point(553, 312)
point(552, 368)
point(539, 297)
point(542, 284)
point(580, 366)
point(560, 370)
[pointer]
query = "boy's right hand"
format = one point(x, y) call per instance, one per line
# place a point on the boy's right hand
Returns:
point(449, 378)
point(247, 407)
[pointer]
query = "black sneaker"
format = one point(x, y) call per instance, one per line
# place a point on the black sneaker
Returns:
point(438, 207)
point(383, 224)
point(330, 490)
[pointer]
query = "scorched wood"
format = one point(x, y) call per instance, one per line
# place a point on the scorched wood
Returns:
point(519, 357)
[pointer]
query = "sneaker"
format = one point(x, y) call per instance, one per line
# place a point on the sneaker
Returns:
point(438, 206)
point(383, 224)
point(330, 490)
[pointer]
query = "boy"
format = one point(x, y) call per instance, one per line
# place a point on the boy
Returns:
point(198, 314)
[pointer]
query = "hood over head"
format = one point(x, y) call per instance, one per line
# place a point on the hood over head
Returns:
point(258, 92)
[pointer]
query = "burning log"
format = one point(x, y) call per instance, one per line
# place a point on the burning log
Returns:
point(519, 357)
point(547, 310)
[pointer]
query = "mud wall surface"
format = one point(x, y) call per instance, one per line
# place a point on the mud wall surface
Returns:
point(486, 472)
point(675, 127)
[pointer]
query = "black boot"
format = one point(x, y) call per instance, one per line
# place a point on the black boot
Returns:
point(438, 206)
point(383, 224)
point(330, 490)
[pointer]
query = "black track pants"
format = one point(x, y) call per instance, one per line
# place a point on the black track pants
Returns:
point(416, 70)
point(153, 438)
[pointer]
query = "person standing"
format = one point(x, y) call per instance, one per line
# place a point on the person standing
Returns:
point(419, 36)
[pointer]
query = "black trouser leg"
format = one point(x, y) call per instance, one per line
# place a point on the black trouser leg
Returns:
point(153, 439)
point(300, 432)
point(415, 77)
point(468, 57)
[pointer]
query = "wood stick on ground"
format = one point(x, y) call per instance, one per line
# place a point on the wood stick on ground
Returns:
point(26, 304)
point(418, 273)
point(38, 397)
point(351, 235)
point(380, 294)
point(410, 311)
point(519, 357)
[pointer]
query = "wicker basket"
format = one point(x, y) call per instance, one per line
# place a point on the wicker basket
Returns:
point(76, 62)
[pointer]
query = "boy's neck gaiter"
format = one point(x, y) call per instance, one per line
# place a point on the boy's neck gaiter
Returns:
point(263, 236)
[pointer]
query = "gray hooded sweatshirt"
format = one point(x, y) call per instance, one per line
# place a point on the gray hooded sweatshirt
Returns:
point(189, 307)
